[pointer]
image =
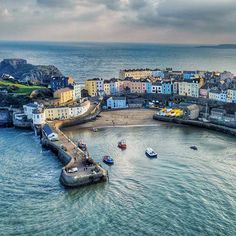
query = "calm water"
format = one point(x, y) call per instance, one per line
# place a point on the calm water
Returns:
point(88, 60)
point(182, 192)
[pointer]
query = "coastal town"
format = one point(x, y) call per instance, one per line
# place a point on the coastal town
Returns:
point(194, 95)
point(138, 97)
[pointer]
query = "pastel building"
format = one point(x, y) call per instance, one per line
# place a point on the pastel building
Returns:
point(99, 86)
point(231, 95)
point(204, 92)
point(148, 87)
point(167, 87)
point(29, 108)
point(116, 103)
point(189, 88)
point(135, 73)
point(188, 74)
point(106, 87)
point(218, 95)
point(91, 87)
point(76, 91)
point(63, 95)
point(158, 73)
point(175, 87)
point(157, 88)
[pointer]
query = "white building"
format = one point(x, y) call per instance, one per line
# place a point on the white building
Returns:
point(100, 87)
point(76, 91)
point(189, 88)
point(29, 108)
point(38, 116)
point(157, 88)
point(218, 95)
point(231, 95)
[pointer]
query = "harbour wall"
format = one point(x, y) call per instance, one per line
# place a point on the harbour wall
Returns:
point(196, 123)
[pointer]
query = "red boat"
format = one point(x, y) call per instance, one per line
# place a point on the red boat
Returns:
point(122, 144)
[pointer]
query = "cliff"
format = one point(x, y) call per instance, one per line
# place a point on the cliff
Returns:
point(24, 72)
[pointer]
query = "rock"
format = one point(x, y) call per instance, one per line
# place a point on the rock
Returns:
point(41, 93)
point(27, 73)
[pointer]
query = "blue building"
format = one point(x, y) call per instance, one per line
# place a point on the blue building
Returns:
point(116, 102)
point(167, 87)
point(158, 73)
point(148, 87)
point(60, 82)
point(188, 74)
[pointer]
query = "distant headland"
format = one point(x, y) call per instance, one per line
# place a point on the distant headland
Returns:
point(219, 46)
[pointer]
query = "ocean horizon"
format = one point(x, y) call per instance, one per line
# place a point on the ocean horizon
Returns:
point(86, 60)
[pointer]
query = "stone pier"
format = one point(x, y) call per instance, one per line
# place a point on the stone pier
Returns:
point(79, 168)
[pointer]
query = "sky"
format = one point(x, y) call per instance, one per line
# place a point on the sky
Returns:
point(156, 21)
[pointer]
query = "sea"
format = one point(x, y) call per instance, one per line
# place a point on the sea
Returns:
point(182, 192)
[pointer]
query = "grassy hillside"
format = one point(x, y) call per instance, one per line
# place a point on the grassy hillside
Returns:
point(19, 88)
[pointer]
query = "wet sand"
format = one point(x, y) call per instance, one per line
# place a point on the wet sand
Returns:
point(127, 117)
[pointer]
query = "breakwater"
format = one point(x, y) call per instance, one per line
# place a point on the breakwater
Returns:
point(79, 168)
point(206, 125)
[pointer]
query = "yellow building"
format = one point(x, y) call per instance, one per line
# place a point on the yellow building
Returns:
point(91, 87)
point(63, 95)
point(136, 74)
point(57, 113)
point(107, 87)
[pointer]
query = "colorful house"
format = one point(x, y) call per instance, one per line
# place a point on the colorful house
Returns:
point(167, 87)
point(231, 95)
point(189, 88)
point(106, 85)
point(63, 95)
point(218, 95)
point(188, 74)
point(157, 87)
point(116, 102)
point(158, 73)
point(91, 87)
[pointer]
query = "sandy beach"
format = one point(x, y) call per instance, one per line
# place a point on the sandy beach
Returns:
point(127, 117)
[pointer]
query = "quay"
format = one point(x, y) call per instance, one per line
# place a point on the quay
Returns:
point(80, 169)
point(206, 125)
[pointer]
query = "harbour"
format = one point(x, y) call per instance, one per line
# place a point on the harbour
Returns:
point(167, 189)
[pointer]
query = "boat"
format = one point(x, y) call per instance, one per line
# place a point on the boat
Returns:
point(82, 145)
point(94, 129)
point(194, 148)
point(122, 144)
point(108, 160)
point(150, 152)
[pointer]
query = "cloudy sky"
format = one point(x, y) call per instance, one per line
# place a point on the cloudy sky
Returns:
point(163, 21)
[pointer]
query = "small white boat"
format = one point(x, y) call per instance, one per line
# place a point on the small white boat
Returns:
point(150, 152)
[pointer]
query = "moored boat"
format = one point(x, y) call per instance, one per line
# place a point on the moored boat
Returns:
point(150, 153)
point(122, 144)
point(194, 148)
point(108, 160)
point(82, 145)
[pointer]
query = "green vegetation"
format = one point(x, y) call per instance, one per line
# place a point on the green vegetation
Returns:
point(18, 88)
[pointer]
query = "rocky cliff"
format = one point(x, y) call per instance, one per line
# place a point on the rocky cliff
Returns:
point(24, 72)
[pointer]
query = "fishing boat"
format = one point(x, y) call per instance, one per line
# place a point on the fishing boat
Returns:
point(108, 160)
point(122, 144)
point(82, 145)
point(151, 153)
point(194, 148)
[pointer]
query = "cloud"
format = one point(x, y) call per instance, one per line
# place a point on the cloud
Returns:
point(193, 21)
